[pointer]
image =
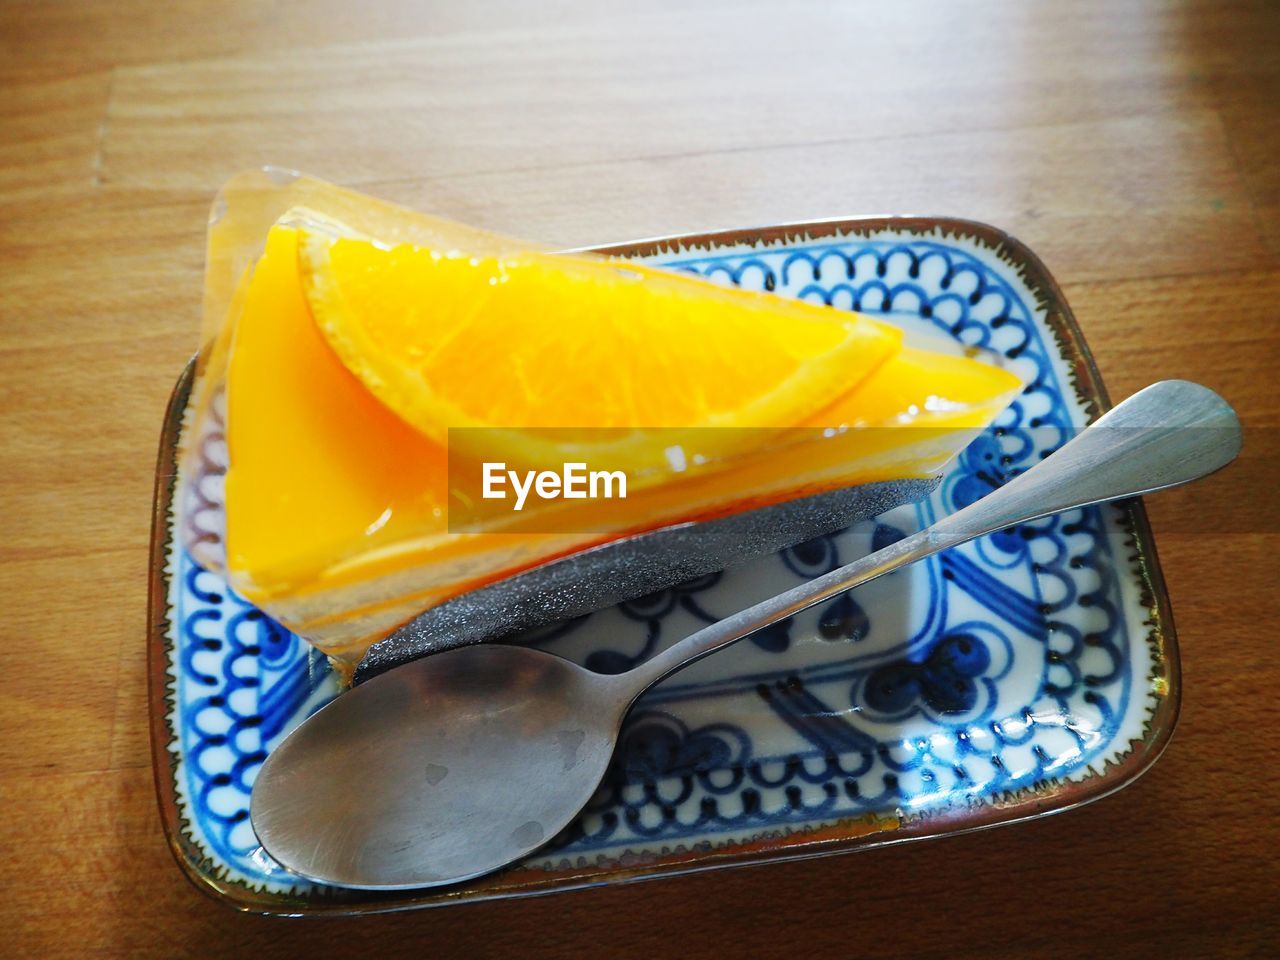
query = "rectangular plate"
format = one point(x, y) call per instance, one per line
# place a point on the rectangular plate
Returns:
point(1019, 675)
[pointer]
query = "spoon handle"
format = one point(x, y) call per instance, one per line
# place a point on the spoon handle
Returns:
point(1171, 433)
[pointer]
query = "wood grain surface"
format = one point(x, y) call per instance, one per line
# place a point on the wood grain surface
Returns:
point(1134, 145)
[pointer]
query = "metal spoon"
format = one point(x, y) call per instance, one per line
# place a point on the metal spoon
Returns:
point(460, 763)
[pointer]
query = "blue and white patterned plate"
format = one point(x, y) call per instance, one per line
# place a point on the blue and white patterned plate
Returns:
point(1018, 675)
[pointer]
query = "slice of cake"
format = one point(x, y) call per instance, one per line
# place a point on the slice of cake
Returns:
point(375, 375)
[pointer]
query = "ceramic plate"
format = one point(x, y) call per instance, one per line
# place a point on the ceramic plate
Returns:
point(1015, 676)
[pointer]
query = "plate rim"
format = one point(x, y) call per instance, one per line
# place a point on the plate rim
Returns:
point(842, 835)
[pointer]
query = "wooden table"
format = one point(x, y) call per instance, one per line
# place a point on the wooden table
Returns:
point(1133, 145)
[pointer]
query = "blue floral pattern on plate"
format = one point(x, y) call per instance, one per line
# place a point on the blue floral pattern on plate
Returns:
point(1018, 662)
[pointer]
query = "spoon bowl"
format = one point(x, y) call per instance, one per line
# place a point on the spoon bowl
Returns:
point(437, 730)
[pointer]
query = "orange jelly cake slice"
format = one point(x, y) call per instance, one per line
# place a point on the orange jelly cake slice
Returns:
point(351, 360)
